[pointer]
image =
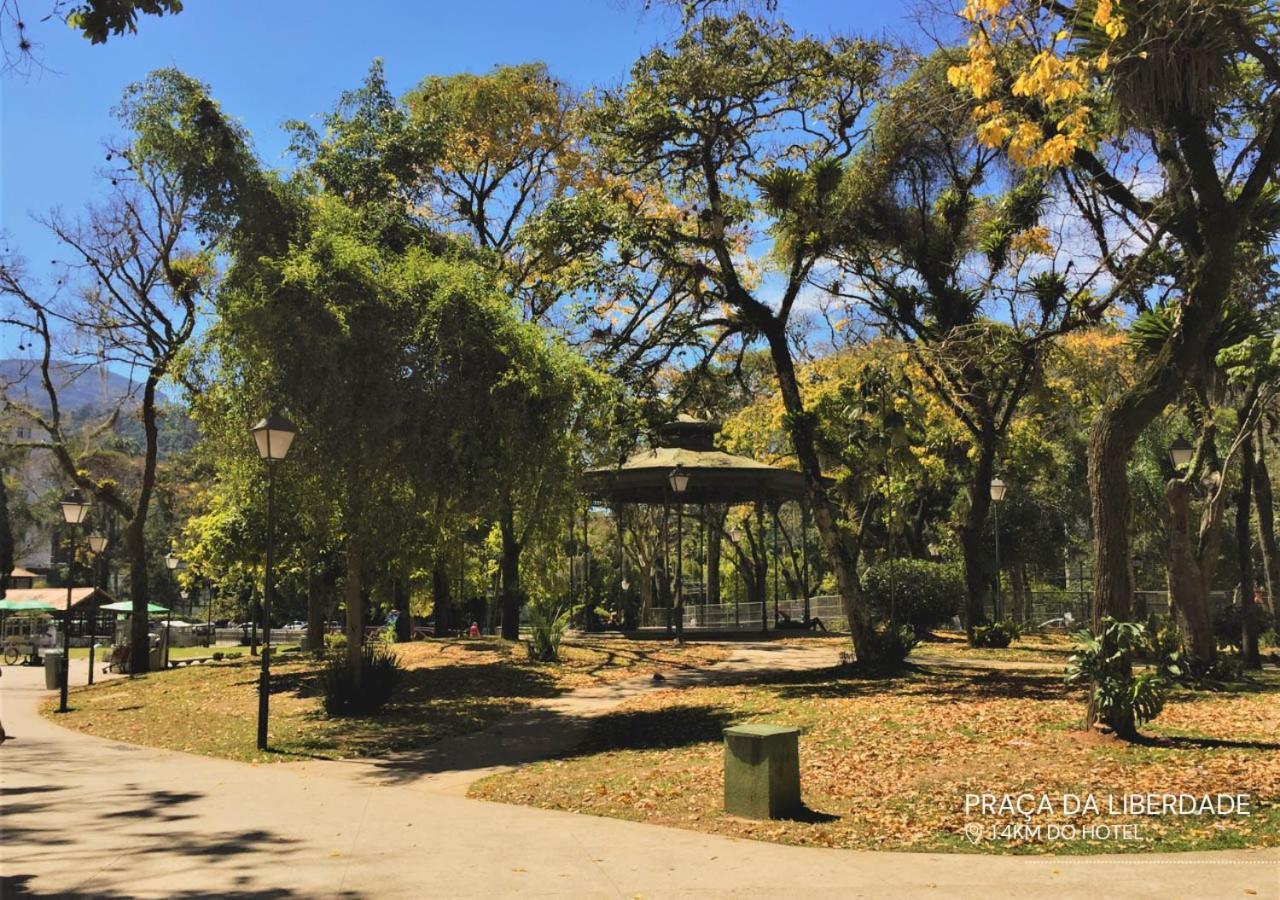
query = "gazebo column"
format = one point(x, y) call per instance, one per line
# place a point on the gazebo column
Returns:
point(762, 570)
point(804, 557)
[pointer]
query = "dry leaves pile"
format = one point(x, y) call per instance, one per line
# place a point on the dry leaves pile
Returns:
point(887, 764)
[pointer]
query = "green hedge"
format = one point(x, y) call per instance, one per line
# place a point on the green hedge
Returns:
point(920, 593)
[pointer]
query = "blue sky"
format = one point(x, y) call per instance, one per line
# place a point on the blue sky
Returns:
point(272, 60)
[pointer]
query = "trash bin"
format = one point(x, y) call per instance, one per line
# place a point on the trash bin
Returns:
point(53, 668)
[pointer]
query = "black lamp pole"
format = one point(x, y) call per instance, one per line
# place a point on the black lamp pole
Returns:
point(264, 674)
point(273, 435)
point(74, 510)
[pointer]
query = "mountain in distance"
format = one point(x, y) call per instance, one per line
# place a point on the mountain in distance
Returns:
point(96, 388)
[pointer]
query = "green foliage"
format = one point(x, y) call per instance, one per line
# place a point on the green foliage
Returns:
point(919, 592)
point(890, 646)
point(380, 673)
point(997, 634)
point(99, 19)
point(1102, 661)
point(335, 643)
point(548, 622)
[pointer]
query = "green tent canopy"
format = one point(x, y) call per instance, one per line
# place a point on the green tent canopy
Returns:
point(125, 606)
point(24, 604)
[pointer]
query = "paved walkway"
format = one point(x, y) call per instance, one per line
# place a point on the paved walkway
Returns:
point(86, 817)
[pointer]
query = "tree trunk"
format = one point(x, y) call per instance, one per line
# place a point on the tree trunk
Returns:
point(353, 596)
point(712, 525)
point(135, 549)
point(1250, 616)
point(1018, 602)
point(1188, 594)
point(842, 549)
point(315, 609)
point(510, 567)
point(1118, 424)
point(973, 543)
point(1263, 502)
point(400, 599)
point(443, 603)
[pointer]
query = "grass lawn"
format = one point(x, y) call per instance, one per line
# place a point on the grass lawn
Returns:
point(451, 687)
point(886, 764)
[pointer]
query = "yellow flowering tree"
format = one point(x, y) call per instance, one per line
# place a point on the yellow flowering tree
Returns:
point(1164, 115)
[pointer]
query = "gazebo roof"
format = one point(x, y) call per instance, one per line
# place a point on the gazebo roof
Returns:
point(714, 476)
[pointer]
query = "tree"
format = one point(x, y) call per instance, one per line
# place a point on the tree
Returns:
point(950, 253)
point(1093, 86)
point(699, 144)
point(139, 267)
point(96, 20)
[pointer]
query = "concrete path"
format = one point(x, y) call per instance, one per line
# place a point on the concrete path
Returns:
point(555, 725)
point(85, 817)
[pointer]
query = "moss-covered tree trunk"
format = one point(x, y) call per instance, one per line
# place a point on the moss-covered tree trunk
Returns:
point(841, 548)
point(1188, 584)
point(1263, 502)
point(1250, 617)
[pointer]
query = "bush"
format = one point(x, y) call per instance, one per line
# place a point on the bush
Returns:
point(217, 655)
point(997, 634)
point(380, 672)
point(1164, 646)
point(890, 647)
point(1102, 661)
point(234, 654)
point(919, 592)
point(547, 625)
point(335, 642)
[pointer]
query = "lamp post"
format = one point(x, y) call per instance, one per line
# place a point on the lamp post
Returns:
point(273, 435)
point(97, 546)
point(171, 562)
point(679, 480)
point(1180, 453)
point(998, 489)
point(74, 510)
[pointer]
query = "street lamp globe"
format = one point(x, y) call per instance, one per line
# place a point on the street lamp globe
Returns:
point(1180, 453)
point(679, 479)
point(273, 435)
point(74, 508)
point(171, 562)
point(97, 543)
point(998, 489)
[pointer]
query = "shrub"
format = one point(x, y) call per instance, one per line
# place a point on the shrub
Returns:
point(1102, 661)
point(919, 592)
point(1164, 646)
point(997, 634)
point(234, 654)
point(335, 642)
point(380, 672)
point(890, 647)
point(547, 624)
point(217, 655)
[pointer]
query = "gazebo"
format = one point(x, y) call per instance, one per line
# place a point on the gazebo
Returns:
point(686, 468)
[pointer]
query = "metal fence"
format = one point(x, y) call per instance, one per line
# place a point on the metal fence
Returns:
point(1053, 610)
